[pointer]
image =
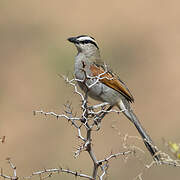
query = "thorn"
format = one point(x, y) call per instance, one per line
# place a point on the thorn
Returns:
point(60, 169)
point(61, 76)
point(75, 114)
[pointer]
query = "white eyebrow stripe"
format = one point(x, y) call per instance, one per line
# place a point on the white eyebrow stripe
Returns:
point(83, 38)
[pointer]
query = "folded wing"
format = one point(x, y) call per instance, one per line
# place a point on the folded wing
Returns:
point(112, 80)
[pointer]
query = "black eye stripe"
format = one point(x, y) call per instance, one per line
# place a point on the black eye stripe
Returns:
point(87, 42)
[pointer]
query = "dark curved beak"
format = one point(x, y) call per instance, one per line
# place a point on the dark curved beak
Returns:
point(72, 39)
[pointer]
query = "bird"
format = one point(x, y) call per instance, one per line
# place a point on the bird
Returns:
point(109, 88)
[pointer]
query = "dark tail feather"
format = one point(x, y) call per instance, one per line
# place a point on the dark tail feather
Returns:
point(146, 138)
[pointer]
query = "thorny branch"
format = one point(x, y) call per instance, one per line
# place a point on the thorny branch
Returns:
point(13, 167)
point(90, 118)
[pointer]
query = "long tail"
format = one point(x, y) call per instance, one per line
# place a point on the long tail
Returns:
point(146, 138)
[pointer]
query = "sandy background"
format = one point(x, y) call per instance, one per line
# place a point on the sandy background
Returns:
point(141, 41)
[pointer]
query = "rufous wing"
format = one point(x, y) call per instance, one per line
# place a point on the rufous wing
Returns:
point(111, 80)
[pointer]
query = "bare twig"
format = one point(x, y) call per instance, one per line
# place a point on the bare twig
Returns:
point(14, 177)
point(50, 172)
point(91, 116)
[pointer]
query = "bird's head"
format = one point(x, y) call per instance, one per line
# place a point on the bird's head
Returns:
point(85, 44)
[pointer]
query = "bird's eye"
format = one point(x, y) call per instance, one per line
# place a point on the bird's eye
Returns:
point(88, 42)
point(85, 42)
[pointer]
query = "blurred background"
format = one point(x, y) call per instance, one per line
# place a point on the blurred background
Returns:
point(139, 39)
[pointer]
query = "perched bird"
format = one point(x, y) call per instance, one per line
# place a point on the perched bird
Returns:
point(110, 88)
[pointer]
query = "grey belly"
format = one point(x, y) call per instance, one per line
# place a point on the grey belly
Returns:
point(101, 92)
